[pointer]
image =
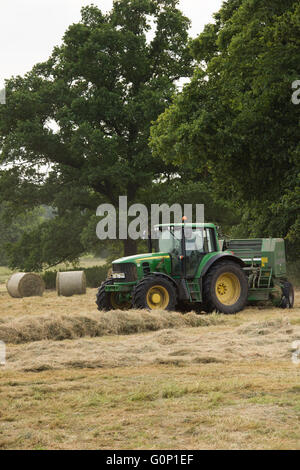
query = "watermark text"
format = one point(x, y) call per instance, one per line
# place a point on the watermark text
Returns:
point(135, 222)
point(2, 96)
point(296, 94)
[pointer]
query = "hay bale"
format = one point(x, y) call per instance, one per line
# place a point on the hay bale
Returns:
point(71, 283)
point(22, 285)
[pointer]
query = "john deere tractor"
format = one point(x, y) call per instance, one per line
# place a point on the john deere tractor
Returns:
point(188, 268)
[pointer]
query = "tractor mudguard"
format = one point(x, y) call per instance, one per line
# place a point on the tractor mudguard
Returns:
point(166, 276)
point(179, 284)
point(218, 257)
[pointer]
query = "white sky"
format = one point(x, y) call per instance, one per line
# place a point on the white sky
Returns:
point(29, 29)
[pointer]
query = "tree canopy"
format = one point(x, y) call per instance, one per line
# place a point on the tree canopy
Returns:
point(236, 119)
point(11, 231)
point(74, 132)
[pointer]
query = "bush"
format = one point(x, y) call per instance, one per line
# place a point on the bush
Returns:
point(49, 278)
point(94, 276)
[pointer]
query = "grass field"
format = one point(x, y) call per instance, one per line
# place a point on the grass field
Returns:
point(169, 381)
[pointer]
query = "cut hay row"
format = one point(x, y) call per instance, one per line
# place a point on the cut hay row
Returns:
point(61, 327)
point(270, 341)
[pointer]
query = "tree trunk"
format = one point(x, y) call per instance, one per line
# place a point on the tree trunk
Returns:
point(130, 247)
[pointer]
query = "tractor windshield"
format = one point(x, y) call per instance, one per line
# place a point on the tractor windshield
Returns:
point(196, 239)
point(168, 241)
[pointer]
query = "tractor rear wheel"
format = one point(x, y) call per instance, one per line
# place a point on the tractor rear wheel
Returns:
point(111, 300)
point(225, 288)
point(154, 293)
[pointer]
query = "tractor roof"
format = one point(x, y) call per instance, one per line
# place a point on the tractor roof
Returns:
point(188, 225)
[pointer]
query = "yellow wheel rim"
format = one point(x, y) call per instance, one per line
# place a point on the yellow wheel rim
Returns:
point(228, 289)
point(158, 298)
point(118, 304)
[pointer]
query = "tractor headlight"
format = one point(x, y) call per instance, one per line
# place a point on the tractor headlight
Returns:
point(118, 275)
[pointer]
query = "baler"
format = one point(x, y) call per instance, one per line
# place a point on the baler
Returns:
point(266, 268)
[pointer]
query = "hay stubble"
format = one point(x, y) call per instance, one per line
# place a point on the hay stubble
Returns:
point(228, 384)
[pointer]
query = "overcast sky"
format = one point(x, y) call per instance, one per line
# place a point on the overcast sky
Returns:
point(29, 29)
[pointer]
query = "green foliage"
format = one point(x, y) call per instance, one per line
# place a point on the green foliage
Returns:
point(11, 231)
point(48, 244)
point(94, 276)
point(236, 121)
point(85, 115)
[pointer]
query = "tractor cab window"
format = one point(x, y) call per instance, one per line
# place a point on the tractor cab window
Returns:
point(200, 239)
point(198, 242)
point(169, 241)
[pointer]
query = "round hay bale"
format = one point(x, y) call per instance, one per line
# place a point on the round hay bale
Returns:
point(22, 285)
point(71, 283)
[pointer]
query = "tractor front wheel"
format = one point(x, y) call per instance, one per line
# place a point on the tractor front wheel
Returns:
point(154, 293)
point(225, 288)
point(111, 300)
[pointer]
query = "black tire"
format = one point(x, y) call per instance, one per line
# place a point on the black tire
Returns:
point(236, 280)
point(207, 307)
point(186, 307)
point(142, 298)
point(288, 295)
point(103, 298)
point(107, 300)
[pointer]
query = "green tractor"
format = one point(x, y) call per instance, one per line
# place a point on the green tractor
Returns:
point(188, 268)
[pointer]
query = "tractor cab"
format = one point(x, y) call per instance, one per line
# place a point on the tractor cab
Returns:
point(187, 245)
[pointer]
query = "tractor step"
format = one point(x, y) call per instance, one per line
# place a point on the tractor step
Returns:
point(194, 291)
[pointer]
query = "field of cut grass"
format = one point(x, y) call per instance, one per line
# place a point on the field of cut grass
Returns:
point(83, 379)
